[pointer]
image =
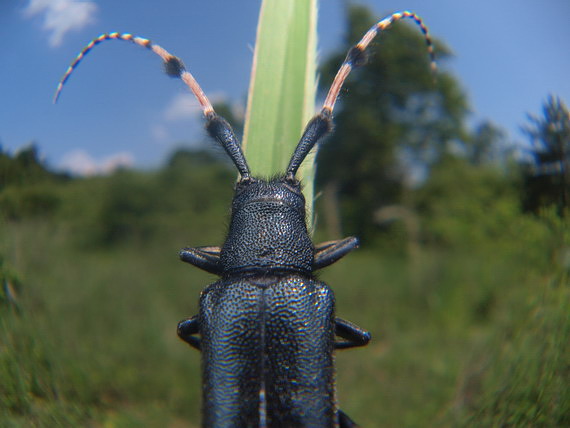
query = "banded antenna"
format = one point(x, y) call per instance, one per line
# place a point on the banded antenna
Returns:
point(357, 54)
point(321, 124)
point(218, 127)
point(173, 66)
point(220, 130)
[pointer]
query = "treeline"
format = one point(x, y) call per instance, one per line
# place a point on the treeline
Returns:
point(402, 139)
point(26, 184)
point(123, 207)
point(401, 160)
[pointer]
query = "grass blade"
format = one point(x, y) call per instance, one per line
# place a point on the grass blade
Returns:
point(281, 97)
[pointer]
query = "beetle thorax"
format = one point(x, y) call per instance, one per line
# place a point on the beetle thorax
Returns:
point(268, 232)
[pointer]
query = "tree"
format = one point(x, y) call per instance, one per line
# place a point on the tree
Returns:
point(394, 118)
point(487, 145)
point(25, 184)
point(24, 167)
point(547, 178)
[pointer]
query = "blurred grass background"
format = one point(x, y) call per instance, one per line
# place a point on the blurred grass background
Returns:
point(465, 289)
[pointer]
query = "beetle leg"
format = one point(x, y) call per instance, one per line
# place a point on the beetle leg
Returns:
point(344, 421)
point(329, 252)
point(354, 335)
point(187, 328)
point(206, 258)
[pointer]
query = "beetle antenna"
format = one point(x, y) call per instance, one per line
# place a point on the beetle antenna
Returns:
point(317, 128)
point(172, 64)
point(217, 127)
point(356, 55)
point(321, 124)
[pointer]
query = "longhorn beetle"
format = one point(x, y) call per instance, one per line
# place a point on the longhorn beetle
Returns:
point(267, 327)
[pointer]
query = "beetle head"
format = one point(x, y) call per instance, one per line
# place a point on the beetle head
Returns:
point(268, 231)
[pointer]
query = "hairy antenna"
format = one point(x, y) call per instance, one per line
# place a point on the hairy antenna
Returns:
point(217, 126)
point(321, 124)
point(356, 56)
point(172, 64)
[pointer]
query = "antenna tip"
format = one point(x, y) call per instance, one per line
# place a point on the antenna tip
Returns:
point(57, 93)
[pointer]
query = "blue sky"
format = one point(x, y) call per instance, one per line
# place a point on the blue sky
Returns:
point(118, 108)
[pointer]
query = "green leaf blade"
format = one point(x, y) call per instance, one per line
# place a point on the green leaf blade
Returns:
point(282, 88)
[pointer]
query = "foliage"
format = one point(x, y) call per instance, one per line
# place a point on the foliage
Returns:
point(24, 167)
point(462, 204)
point(547, 179)
point(134, 206)
point(522, 381)
point(25, 184)
point(34, 200)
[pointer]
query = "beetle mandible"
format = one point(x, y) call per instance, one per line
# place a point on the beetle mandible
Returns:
point(267, 327)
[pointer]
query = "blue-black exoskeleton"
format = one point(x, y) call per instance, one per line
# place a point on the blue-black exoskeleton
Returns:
point(267, 328)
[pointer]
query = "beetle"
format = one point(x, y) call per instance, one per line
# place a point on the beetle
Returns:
point(267, 328)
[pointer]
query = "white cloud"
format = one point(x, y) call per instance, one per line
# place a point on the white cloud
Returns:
point(183, 106)
point(160, 133)
point(61, 16)
point(79, 162)
point(181, 119)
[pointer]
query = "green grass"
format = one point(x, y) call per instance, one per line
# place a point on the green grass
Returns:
point(95, 337)
point(459, 340)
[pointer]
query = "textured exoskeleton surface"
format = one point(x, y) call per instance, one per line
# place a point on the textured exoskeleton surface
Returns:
point(273, 334)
